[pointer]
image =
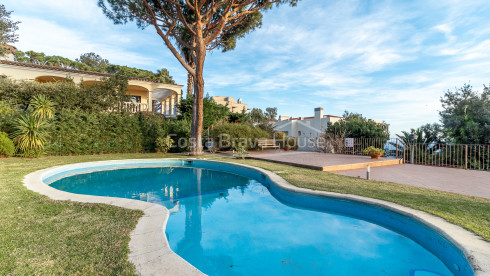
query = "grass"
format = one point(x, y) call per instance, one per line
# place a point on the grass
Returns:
point(39, 236)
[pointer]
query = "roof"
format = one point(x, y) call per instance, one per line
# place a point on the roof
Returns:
point(67, 70)
point(309, 118)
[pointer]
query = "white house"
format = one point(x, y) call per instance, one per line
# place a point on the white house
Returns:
point(305, 128)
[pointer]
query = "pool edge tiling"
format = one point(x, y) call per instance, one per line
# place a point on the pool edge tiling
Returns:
point(151, 253)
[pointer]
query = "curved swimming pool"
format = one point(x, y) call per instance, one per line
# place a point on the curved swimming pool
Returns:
point(231, 220)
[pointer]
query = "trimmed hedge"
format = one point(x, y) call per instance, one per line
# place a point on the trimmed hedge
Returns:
point(76, 132)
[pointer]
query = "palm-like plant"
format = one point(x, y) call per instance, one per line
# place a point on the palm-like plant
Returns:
point(30, 134)
point(43, 108)
point(428, 141)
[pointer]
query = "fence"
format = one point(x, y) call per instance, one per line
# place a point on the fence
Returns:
point(463, 156)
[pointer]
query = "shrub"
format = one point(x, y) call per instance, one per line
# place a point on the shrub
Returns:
point(75, 132)
point(152, 127)
point(163, 144)
point(30, 135)
point(66, 94)
point(8, 114)
point(292, 142)
point(180, 132)
point(241, 152)
point(373, 150)
point(232, 136)
point(7, 147)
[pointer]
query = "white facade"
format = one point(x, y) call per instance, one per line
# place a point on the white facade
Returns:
point(305, 128)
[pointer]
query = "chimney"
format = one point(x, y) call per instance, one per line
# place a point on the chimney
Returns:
point(318, 113)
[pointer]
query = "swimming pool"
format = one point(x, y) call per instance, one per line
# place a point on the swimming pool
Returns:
point(231, 220)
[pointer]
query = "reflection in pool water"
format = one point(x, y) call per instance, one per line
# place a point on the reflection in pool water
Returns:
point(226, 224)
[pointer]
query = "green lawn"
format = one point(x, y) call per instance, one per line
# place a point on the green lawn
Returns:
point(45, 237)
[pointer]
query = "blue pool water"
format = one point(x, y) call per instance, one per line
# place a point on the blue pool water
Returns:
point(230, 224)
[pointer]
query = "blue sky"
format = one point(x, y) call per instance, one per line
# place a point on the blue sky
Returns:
point(389, 60)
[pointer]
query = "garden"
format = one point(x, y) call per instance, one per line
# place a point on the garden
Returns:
point(64, 118)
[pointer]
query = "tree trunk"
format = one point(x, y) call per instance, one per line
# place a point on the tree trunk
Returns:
point(190, 85)
point(197, 107)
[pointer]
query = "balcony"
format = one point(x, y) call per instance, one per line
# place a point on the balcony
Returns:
point(135, 107)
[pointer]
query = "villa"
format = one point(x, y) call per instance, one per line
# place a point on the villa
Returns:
point(305, 126)
point(146, 95)
point(235, 107)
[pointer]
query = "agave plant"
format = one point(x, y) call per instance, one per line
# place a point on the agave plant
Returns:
point(30, 134)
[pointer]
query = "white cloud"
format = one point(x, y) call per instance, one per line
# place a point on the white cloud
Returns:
point(49, 37)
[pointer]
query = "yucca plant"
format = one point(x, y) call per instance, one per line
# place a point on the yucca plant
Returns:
point(30, 135)
point(43, 108)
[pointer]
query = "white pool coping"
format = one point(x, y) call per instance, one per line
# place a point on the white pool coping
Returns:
point(151, 253)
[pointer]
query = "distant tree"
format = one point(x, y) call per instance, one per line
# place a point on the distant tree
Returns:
point(466, 115)
point(36, 57)
point(426, 134)
point(240, 118)
point(212, 25)
point(164, 76)
point(256, 115)
point(93, 60)
point(8, 27)
point(429, 139)
point(270, 113)
point(356, 126)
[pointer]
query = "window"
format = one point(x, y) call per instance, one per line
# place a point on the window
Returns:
point(299, 133)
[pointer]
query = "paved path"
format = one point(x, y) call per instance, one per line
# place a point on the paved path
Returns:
point(467, 182)
point(313, 159)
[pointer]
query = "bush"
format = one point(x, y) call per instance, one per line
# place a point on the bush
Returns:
point(292, 142)
point(152, 127)
point(180, 132)
point(373, 150)
point(66, 94)
point(234, 136)
point(77, 132)
point(241, 152)
point(8, 114)
point(7, 147)
point(164, 144)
